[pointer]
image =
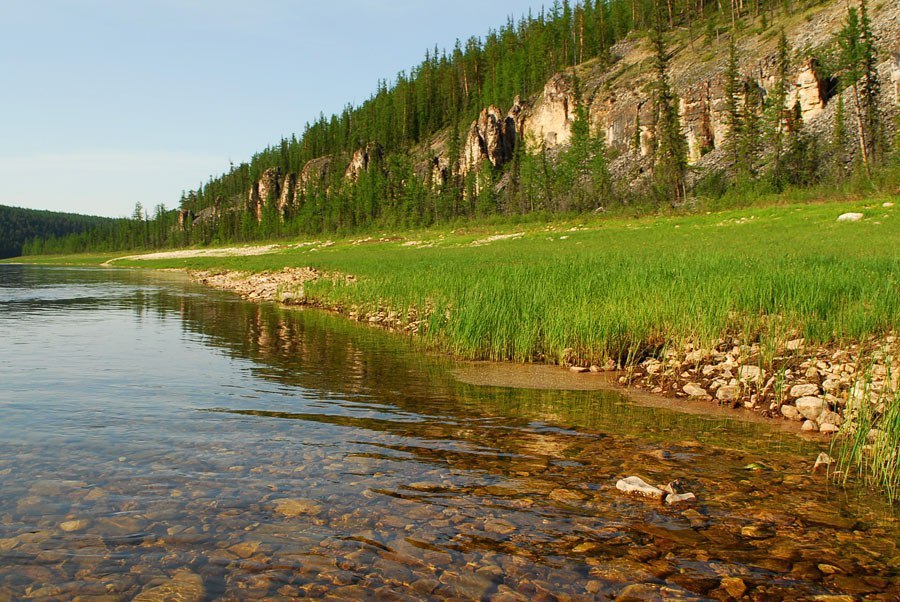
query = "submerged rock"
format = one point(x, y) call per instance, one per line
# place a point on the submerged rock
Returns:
point(637, 486)
point(677, 498)
point(296, 507)
point(823, 461)
point(184, 586)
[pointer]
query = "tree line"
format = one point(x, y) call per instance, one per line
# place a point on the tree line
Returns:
point(767, 141)
point(22, 228)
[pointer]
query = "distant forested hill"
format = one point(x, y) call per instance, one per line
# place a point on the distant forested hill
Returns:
point(19, 226)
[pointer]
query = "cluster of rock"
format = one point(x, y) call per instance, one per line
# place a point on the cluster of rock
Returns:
point(814, 386)
point(287, 287)
point(671, 493)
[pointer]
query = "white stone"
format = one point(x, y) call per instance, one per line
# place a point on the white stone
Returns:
point(728, 393)
point(748, 373)
point(829, 428)
point(638, 486)
point(695, 391)
point(850, 217)
point(828, 417)
point(823, 460)
point(810, 407)
point(790, 412)
point(809, 425)
point(804, 390)
point(887, 204)
point(795, 344)
point(675, 498)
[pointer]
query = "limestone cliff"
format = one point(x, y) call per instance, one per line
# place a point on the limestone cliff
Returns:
point(617, 93)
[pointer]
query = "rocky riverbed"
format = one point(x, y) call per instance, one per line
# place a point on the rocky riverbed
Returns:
point(263, 453)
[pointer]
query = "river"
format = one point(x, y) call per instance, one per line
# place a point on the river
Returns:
point(164, 441)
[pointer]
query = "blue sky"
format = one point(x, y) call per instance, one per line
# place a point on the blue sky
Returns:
point(105, 103)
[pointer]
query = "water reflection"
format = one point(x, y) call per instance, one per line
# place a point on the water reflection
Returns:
point(157, 435)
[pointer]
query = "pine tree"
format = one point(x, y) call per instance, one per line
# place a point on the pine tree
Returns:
point(858, 63)
point(670, 170)
point(777, 113)
point(749, 138)
point(732, 101)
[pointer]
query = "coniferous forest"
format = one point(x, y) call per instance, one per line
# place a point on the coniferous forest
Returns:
point(29, 227)
point(375, 165)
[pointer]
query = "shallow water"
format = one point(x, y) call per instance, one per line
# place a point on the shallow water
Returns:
point(159, 440)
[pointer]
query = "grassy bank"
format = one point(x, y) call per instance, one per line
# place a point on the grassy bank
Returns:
point(596, 289)
point(618, 288)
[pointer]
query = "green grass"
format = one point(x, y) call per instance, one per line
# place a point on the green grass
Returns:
point(869, 444)
point(619, 288)
point(80, 259)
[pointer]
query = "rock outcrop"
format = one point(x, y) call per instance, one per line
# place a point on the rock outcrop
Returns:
point(361, 160)
point(548, 122)
point(809, 90)
point(492, 137)
point(185, 218)
point(288, 186)
point(314, 173)
point(263, 191)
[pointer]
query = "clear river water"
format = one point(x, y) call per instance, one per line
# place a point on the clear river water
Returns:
point(162, 441)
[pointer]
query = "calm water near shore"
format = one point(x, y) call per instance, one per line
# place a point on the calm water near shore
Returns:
point(158, 439)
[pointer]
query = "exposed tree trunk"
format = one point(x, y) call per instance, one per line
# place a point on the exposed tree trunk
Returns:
point(864, 153)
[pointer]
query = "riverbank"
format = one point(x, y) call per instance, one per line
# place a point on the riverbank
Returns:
point(785, 309)
point(810, 384)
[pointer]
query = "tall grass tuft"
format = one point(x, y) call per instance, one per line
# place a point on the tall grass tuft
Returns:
point(868, 445)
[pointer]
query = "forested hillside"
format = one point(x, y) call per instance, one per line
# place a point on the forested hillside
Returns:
point(580, 107)
point(20, 227)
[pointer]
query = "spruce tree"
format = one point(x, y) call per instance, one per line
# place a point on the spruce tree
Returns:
point(749, 138)
point(777, 113)
point(858, 64)
point(670, 170)
point(732, 101)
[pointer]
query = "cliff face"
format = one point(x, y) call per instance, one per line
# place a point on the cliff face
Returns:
point(619, 102)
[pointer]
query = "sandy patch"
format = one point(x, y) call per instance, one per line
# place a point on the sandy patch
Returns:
point(188, 253)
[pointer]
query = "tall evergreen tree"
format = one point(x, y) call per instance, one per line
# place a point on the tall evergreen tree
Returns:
point(777, 113)
point(732, 101)
point(670, 169)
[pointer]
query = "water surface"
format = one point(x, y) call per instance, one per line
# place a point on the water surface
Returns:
point(158, 439)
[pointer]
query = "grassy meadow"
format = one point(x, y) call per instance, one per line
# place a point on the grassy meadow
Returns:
point(616, 288)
